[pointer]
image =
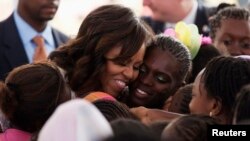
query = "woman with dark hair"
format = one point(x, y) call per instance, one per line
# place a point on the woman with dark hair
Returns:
point(29, 96)
point(107, 52)
point(216, 87)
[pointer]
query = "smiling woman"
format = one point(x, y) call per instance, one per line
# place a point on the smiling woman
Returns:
point(166, 64)
point(112, 80)
point(106, 53)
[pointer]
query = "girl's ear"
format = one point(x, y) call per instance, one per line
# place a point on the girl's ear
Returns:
point(216, 107)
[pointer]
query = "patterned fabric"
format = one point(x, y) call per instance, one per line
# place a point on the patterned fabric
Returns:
point(97, 96)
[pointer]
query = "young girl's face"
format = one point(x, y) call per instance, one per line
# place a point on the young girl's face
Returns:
point(157, 80)
point(233, 37)
point(200, 103)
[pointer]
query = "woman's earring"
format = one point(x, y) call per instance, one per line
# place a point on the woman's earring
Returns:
point(211, 114)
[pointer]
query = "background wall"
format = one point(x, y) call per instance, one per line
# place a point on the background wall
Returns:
point(71, 12)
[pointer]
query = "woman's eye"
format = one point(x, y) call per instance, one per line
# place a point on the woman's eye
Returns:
point(245, 45)
point(137, 68)
point(120, 63)
point(142, 69)
point(162, 79)
point(227, 42)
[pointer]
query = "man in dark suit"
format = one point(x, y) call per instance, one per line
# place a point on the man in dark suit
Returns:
point(165, 13)
point(17, 32)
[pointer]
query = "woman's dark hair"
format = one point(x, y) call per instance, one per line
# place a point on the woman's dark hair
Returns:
point(133, 130)
point(113, 110)
point(204, 55)
point(106, 27)
point(31, 93)
point(159, 126)
point(223, 78)
point(181, 100)
point(188, 128)
point(241, 106)
point(224, 5)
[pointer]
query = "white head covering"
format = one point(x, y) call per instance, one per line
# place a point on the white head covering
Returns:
point(243, 56)
point(76, 120)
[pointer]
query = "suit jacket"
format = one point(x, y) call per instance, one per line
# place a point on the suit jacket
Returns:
point(201, 21)
point(12, 53)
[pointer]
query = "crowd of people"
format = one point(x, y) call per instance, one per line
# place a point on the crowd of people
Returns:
point(123, 77)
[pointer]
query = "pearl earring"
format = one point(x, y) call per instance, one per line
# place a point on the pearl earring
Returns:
point(211, 114)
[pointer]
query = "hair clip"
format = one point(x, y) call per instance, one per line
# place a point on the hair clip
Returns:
point(205, 40)
point(188, 34)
